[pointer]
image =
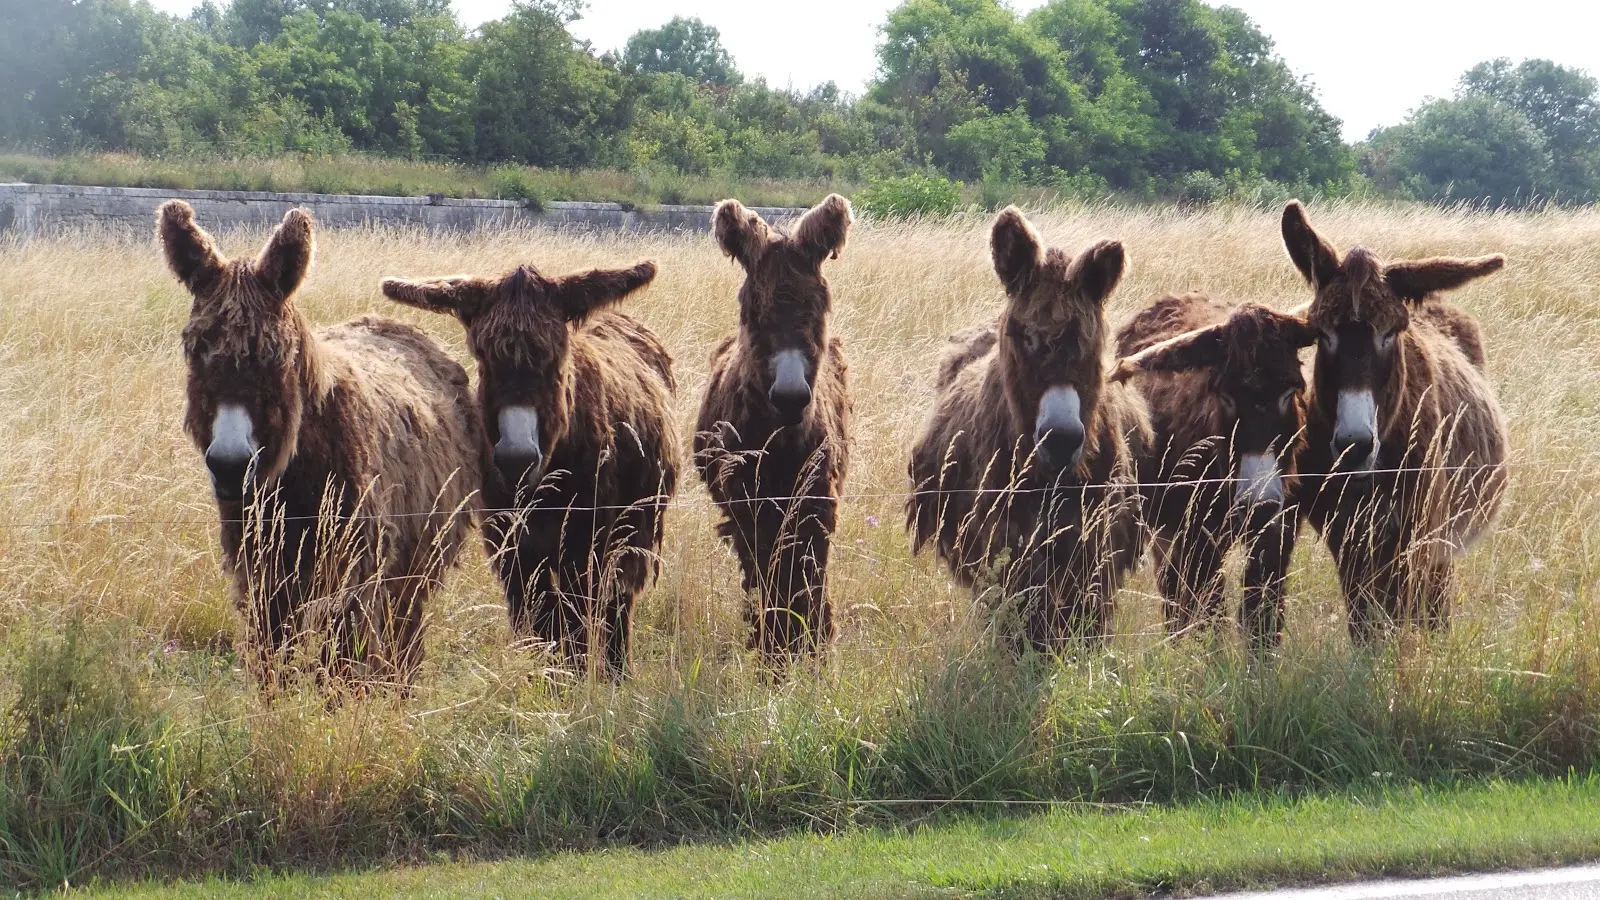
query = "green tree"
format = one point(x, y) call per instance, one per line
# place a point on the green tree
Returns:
point(685, 46)
point(540, 98)
point(1472, 148)
point(1561, 104)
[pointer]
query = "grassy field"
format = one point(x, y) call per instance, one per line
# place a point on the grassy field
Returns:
point(355, 174)
point(133, 746)
point(1064, 854)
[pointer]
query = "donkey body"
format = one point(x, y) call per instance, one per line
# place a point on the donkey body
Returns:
point(581, 443)
point(1405, 443)
point(772, 438)
point(1023, 473)
point(344, 461)
point(1227, 404)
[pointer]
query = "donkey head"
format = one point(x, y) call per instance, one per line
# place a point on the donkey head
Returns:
point(783, 305)
point(251, 367)
point(1360, 309)
point(1252, 361)
point(519, 328)
point(1052, 333)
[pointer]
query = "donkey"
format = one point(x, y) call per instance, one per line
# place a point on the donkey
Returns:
point(344, 461)
point(1227, 404)
point(582, 445)
point(1023, 471)
point(772, 439)
point(1405, 443)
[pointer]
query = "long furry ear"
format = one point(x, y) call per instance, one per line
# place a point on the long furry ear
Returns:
point(1191, 350)
point(1016, 249)
point(1097, 270)
point(191, 254)
point(286, 258)
point(741, 233)
point(1316, 260)
point(1296, 329)
point(462, 296)
point(1419, 278)
point(821, 232)
point(582, 294)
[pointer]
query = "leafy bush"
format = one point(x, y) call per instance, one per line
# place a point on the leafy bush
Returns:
point(1201, 189)
point(910, 196)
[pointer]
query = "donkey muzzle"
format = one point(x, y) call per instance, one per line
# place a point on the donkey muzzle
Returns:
point(516, 453)
point(1058, 433)
point(790, 394)
point(1355, 433)
point(232, 450)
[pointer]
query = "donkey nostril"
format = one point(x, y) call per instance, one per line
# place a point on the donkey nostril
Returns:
point(790, 403)
point(518, 462)
point(227, 474)
point(1060, 447)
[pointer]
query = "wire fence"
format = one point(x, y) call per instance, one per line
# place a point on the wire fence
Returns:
point(678, 502)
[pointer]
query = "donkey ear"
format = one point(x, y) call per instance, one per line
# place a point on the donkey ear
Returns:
point(1297, 330)
point(286, 258)
point(190, 252)
point(1315, 259)
point(1097, 270)
point(1015, 247)
point(741, 233)
point(584, 293)
point(1192, 350)
point(821, 232)
point(1419, 278)
point(461, 296)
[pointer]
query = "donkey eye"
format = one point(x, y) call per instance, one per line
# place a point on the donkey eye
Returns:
point(1229, 406)
point(1286, 400)
point(1385, 341)
point(1031, 343)
point(1330, 341)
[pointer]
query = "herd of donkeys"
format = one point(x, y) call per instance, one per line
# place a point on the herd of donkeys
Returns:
point(350, 463)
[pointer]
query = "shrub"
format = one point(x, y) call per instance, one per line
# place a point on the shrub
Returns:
point(911, 196)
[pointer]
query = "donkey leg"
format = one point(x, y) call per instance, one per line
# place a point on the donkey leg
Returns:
point(1261, 612)
point(1191, 581)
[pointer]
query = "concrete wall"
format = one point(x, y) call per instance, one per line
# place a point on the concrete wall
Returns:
point(34, 209)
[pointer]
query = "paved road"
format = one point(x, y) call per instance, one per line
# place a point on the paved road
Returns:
point(1575, 883)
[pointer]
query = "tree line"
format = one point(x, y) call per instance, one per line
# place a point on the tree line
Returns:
point(1137, 97)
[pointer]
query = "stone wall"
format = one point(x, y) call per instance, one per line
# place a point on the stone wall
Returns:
point(33, 209)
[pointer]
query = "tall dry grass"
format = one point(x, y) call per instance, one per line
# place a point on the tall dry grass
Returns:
point(132, 742)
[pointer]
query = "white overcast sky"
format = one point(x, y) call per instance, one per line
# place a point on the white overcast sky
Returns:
point(1372, 60)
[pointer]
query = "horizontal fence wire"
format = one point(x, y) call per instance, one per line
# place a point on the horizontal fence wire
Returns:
point(113, 519)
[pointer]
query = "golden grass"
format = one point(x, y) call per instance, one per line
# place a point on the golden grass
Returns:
point(106, 517)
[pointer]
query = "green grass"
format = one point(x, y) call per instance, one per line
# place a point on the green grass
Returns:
point(1065, 853)
point(357, 174)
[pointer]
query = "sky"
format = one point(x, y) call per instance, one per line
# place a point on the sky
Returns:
point(1372, 61)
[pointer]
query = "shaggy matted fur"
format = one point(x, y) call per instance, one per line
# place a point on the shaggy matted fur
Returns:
point(345, 461)
point(772, 440)
point(1056, 530)
point(1227, 403)
point(1398, 385)
point(577, 500)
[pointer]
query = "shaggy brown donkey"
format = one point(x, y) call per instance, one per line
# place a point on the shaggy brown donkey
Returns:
point(1023, 472)
point(1227, 403)
point(772, 440)
point(576, 399)
point(1398, 386)
point(344, 461)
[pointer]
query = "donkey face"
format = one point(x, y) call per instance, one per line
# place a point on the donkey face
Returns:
point(1253, 361)
point(1361, 309)
point(1052, 333)
point(519, 331)
point(246, 347)
point(783, 305)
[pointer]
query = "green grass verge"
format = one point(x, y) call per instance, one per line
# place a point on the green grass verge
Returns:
point(357, 174)
point(1244, 842)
